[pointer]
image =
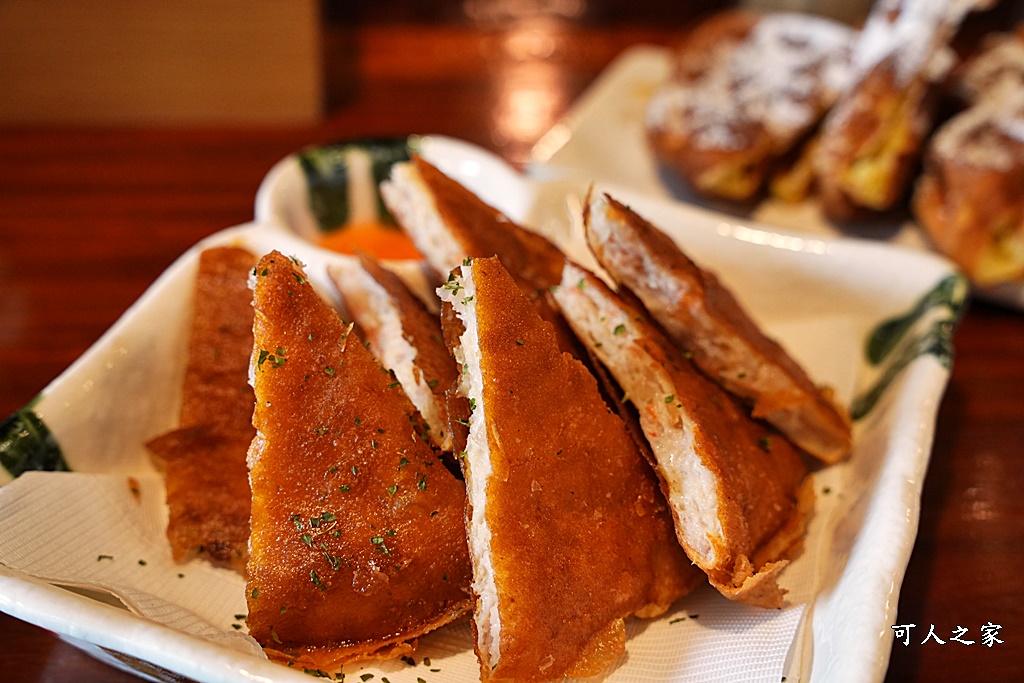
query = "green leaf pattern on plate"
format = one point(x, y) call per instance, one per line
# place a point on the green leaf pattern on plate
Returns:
point(895, 343)
point(328, 172)
point(27, 444)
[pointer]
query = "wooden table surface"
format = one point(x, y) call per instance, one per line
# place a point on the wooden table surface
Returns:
point(90, 217)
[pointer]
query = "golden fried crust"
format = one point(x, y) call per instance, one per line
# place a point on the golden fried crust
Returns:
point(581, 536)
point(358, 539)
point(758, 475)
point(484, 231)
point(423, 331)
point(206, 476)
point(216, 386)
point(703, 317)
point(208, 496)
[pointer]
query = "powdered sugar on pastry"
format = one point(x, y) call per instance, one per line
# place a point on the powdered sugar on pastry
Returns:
point(910, 32)
point(999, 66)
point(776, 76)
point(979, 136)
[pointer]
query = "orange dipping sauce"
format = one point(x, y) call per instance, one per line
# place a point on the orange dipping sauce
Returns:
point(375, 239)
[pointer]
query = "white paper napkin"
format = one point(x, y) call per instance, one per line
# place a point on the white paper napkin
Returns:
point(105, 533)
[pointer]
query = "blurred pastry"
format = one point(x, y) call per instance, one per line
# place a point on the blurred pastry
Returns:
point(970, 198)
point(871, 141)
point(746, 88)
point(998, 64)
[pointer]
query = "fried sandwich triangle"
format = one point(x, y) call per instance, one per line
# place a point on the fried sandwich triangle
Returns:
point(569, 533)
point(358, 541)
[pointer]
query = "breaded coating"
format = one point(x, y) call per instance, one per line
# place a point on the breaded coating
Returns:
point(358, 539)
point(703, 317)
point(737, 490)
point(404, 335)
point(569, 531)
point(204, 460)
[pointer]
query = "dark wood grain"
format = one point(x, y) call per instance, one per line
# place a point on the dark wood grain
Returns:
point(90, 217)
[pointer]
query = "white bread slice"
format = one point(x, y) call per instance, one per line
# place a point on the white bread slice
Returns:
point(411, 202)
point(703, 318)
point(737, 491)
point(447, 223)
point(569, 532)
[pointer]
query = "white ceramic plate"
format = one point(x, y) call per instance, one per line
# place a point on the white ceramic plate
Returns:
point(824, 298)
point(602, 138)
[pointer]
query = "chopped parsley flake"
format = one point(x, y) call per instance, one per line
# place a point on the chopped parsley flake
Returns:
point(619, 329)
